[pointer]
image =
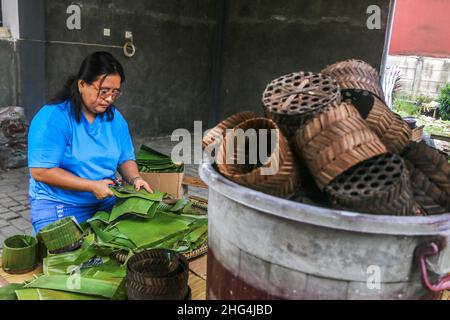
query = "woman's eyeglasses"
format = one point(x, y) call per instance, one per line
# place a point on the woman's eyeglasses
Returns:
point(106, 93)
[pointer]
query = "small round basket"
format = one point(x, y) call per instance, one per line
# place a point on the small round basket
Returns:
point(394, 132)
point(356, 74)
point(282, 176)
point(20, 254)
point(62, 236)
point(293, 99)
point(218, 132)
point(335, 141)
point(430, 177)
point(379, 186)
point(157, 274)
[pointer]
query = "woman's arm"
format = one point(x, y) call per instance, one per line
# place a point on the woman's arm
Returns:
point(63, 179)
point(130, 172)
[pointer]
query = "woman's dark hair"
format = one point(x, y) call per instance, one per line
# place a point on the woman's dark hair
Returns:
point(95, 65)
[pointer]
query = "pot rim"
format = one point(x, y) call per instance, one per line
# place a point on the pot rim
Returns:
point(321, 216)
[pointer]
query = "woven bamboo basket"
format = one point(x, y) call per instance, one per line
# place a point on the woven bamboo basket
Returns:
point(426, 194)
point(430, 174)
point(393, 131)
point(203, 249)
point(121, 257)
point(417, 134)
point(62, 236)
point(356, 74)
point(218, 131)
point(335, 141)
point(379, 185)
point(136, 291)
point(20, 254)
point(293, 99)
point(157, 274)
point(282, 183)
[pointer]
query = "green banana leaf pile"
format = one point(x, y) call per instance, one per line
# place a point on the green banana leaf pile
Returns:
point(85, 274)
point(141, 220)
point(150, 160)
point(138, 221)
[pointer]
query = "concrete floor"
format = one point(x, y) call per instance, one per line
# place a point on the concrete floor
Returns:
point(14, 203)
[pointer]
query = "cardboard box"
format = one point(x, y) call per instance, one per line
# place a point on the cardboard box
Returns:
point(165, 182)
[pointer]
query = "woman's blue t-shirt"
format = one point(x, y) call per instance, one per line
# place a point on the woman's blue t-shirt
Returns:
point(91, 151)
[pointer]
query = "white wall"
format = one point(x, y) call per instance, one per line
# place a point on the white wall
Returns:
point(421, 75)
point(10, 13)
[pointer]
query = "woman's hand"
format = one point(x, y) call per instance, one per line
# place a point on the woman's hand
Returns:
point(101, 189)
point(139, 183)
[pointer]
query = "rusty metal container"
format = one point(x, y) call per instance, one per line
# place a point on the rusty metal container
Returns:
point(264, 247)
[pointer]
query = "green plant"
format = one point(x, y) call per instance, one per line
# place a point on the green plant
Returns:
point(444, 100)
point(405, 107)
point(421, 99)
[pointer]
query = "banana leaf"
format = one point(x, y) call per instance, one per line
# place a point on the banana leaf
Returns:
point(112, 239)
point(108, 270)
point(194, 239)
point(171, 243)
point(101, 216)
point(135, 234)
point(140, 207)
point(150, 160)
point(45, 294)
point(8, 292)
point(179, 205)
point(63, 263)
point(196, 233)
point(145, 233)
point(129, 192)
point(188, 240)
point(149, 154)
point(88, 260)
point(146, 169)
point(59, 263)
point(103, 288)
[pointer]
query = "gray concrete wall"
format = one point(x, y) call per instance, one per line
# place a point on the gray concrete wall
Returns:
point(168, 80)
point(265, 39)
point(32, 55)
point(198, 59)
point(8, 73)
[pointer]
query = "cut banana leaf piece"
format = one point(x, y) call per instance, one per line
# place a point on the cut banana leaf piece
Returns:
point(8, 292)
point(45, 294)
point(144, 233)
point(140, 207)
point(104, 288)
point(129, 192)
point(179, 205)
point(59, 263)
point(195, 234)
point(64, 263)
point(101, 216)
point(150, 160)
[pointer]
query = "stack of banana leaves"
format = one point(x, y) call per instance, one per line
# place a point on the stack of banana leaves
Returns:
point(152, 161)
point(138, 221)
point(141, 220)
point(85, 274)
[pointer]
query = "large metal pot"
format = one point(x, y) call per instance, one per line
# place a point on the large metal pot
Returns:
point(264, 247)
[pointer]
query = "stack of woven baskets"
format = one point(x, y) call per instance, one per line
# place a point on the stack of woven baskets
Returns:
point(335, 126)
point(157, 274)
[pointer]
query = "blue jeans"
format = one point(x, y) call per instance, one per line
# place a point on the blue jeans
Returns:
point(45, 212)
